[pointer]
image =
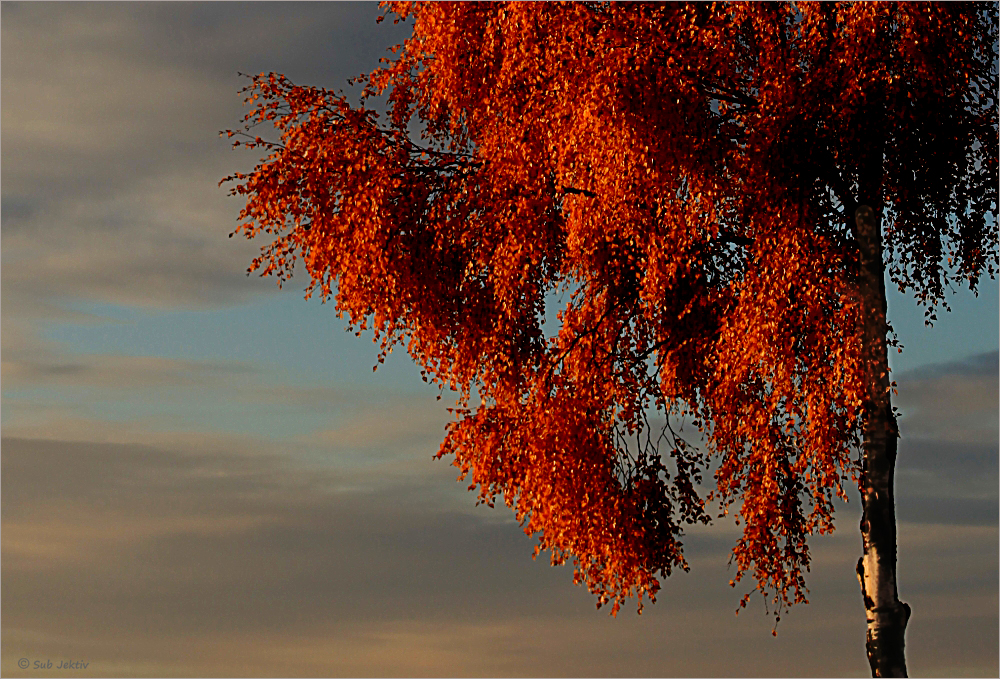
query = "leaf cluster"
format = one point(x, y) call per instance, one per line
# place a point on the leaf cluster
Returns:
point(684, 174)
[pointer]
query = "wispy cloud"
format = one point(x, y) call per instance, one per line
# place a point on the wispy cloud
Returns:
point(948, 469)
point(111, 149)
point(120, 372)
point(955, 402)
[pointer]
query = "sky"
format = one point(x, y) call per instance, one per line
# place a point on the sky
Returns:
point(202, 475)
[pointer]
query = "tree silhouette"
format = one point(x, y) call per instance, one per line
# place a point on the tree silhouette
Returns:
point(718, 191)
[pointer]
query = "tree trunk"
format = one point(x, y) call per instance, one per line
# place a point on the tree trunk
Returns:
point(887, 615)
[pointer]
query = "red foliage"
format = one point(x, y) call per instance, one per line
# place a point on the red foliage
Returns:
point(686, 174)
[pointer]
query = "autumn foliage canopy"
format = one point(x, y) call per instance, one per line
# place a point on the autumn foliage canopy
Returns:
point(683, 178)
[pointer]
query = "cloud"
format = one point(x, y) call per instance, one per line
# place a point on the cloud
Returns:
point(161, 243)
point(952, 511)
point(111, 148)
point(112, 398)
point(954, 402)
point(177, 543)
point(116, 371)
point(947, 470)
point(389, 424)
point(979, 365)
point(124, 554)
